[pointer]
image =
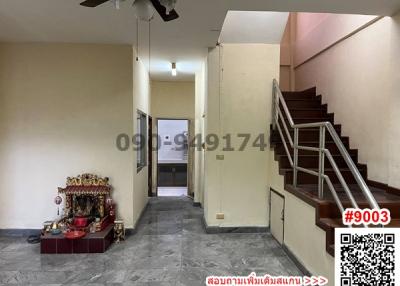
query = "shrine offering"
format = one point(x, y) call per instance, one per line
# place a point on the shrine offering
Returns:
point(88, 218)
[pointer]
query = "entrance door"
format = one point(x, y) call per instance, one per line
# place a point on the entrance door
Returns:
point(277, 215)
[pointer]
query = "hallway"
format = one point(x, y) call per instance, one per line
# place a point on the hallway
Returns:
point(170, 248)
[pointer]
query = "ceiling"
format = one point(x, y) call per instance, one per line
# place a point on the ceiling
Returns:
point(184, 41)
point(253, 27)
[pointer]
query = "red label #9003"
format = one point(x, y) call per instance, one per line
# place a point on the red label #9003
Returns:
point(366, 216)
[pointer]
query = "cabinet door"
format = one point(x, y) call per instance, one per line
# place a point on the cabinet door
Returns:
point(165, 176)
point(180, 175)
point(277, 207)
point(172, 175)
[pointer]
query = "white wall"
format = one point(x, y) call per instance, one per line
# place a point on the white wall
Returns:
point(356, 77)
point(61, 109)
point(239, 101)
point(169, 148)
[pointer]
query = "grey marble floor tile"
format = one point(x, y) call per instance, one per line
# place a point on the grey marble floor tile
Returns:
point(34, 277)
point(153, 275)
point(98, 276)
point(170, 248)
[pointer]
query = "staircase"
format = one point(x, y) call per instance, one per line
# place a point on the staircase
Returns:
point(306, 107)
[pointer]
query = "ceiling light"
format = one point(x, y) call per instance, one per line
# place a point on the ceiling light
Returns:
point(173, 71)
point(116, 4)
point(144, 10)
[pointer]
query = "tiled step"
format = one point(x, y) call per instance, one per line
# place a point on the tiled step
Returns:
point(304, 103)
point(306, 94)
point(306, 107)
point(314, 143)
point(337, 222)
point(298, 120)
point(305, 178)
point(385, 200)
point(312, 161)
point(319, 112)
point(305, 135)
point(331, 146)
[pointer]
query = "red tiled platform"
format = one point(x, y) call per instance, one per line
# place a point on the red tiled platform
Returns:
point(97, 242)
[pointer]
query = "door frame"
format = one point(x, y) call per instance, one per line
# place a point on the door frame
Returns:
point(190, 155)
point(271, 190)
point(150, 156)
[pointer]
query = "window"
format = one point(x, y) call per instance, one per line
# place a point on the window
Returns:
point(141, 138)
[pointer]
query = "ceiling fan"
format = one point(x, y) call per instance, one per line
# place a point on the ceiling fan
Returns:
point(164, 7)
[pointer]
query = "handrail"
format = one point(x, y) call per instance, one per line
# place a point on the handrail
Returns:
point(279, 119)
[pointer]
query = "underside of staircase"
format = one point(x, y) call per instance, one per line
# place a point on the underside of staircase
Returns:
point(306, 107)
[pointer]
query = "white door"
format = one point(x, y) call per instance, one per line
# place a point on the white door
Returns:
point(277, 216)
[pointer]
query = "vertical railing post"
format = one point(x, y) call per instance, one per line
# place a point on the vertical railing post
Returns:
point(274, 105)
point(295, 156)
point(321, 165)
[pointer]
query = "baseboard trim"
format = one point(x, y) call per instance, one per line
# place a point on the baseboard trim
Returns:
point(197, 204)
point(296, 261)
point(13, 232)
point(133, 231)
point(377, 184)
point(233, 229)
point(392, 190)
point(386, 187)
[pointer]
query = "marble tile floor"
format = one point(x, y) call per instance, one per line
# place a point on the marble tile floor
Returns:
point(170, 248)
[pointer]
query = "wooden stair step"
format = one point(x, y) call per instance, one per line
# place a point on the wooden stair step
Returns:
point(306, 103)
point(310, 112)
point(301, 120)
point(306, 107)
point(305, 94)
point(312, 161)
point(311, 135)
point(305, 178)
point(331, 146)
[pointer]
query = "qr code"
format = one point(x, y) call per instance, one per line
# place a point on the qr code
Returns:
point(367, 256)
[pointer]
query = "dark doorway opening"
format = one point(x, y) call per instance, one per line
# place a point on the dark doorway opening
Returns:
point(172, 157)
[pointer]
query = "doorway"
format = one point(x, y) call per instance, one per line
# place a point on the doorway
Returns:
point(172, 157)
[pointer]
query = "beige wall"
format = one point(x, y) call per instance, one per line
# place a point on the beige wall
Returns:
point(172, 99)
point(141, 95)
point(239, 101)
point(61, 109)
point(176, 100)
point(394, 106)
point(302, 236)
point(200, 97)
point(355, 78)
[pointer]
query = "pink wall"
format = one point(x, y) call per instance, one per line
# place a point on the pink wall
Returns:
point(316, 32)
point(352, 60)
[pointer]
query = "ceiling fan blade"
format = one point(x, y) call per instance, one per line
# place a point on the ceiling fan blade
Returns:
point(163, 11)
point(93, 3)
